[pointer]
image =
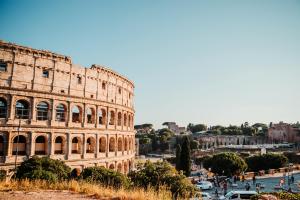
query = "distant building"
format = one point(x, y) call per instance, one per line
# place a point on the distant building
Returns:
point(284, 132)
point(175, 128)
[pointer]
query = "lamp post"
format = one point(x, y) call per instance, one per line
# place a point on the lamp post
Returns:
point(17, 148)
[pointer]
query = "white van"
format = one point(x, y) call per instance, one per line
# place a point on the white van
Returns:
point(238, 195)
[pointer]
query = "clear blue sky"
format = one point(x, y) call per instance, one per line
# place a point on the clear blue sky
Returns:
point(213, 62)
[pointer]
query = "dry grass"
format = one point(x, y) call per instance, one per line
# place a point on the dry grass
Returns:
point(97, 191)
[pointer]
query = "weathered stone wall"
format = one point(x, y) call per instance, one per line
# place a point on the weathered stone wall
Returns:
point(103, 97)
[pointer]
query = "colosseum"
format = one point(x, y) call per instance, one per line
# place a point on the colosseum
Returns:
point(52, 107)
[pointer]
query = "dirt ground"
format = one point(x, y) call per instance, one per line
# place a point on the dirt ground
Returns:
point(43, 195)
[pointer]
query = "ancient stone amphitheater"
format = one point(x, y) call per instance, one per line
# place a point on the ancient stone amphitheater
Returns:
point(83, 116)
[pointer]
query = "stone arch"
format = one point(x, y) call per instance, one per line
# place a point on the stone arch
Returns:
point(40, 145)
point(126, 144)
point(90, 145)
point(76, 114)
point(19, 145)
point(119, 167)
point(129, 121)
point(3, 108)
point(102, 116)
point(125, 167)
point(102, 144)
point(125, 120)
point(42, 109)
point(76, 145)
point(112, 166)
point(120, 144)
point(59, 145)
point(112, 144)
point(112, 118)
point(1, 145)
point(119, 119)
point(22, 109)
point(90, 115)
point(61, 111)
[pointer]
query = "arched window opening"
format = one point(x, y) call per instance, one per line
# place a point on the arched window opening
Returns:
point(40, 145)
point(120, 144)
point(42, 111)
point(19, 145)
point(119, 169)
point(119, 119)
point(58, 148)
point(76, 114)
point(126, 144)
point(129, 121)
point(90, 115)
point(125, 120)
point(112, 145)
point(22, 109)
point(102, 147)
point(3, 108)
point(1, 145)
point(60, 113)
point(111, 166)
point(112, 118)
point(76, 146)
point(90, 145)
point(102, 117)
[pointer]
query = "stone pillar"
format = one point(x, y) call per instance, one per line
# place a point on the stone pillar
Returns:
point(32, 110)
point(69, 146)
point(116, 145)
point(96, 116)
point(52, 143)
point(32, 144)
point(84, 145)
point(97, 145)
point(107, 145)
point(123, 144)
point(83, 117)
point(53, 111)
point(9, 144)
point(69, 113)
point(11, 108)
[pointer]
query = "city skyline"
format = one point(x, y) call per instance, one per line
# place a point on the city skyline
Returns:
point(201, 62)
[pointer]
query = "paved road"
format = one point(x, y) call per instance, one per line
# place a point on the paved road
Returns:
point(268, 182)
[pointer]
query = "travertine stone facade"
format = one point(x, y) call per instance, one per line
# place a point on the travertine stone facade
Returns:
point(83, 116)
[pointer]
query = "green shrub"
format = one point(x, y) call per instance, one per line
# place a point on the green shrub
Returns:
point(266, 161)
point(280, 195)
point(43, 168)
point(162, 174)
point(106, 177)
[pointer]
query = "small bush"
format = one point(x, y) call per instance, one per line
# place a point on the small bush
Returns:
point(106, 177)
point(266, 161)
point(43, 168)
point(280, 195)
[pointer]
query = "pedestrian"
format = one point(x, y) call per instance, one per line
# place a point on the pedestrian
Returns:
point(247, 186)
point(216, 192)
point(225, 188)
point(292, 179)
point(243, 178)
point(253, 180)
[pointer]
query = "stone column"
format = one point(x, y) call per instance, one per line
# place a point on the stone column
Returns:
point(107, 117)
point(33, 111)
point(9, 144)
point(69, 146)
point(97, 145)
point(11, 108)
point(107, 145)
point(53, 111)
point(116, 145)
point(32, 144)
point(52, 143)
point(69, 120)
point(96, 117)
point(84, 146)
point(83, 117)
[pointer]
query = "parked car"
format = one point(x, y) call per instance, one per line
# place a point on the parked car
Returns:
point(238, 195)
point(204, 185)
point(202, 196)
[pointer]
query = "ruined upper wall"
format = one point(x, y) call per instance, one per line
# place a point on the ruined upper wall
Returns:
point(41, 70)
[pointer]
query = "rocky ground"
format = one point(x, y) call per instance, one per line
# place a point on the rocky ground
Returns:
point(45, 195)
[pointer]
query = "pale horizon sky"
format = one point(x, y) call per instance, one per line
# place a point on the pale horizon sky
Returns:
point(212, 62)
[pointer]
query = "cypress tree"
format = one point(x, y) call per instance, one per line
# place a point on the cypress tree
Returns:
point(178, 153)
point(185, 157)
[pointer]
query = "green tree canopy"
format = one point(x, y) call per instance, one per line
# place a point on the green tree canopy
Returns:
point(196, 128)
point(225, 163)
point(266, 161)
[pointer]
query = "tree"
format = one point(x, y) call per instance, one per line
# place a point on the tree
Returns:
point(185, 156)
point(196, 128)
point(178, 152)
point(194, 144)
point(266, 161)
point(225, 163)
point(43, 168)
